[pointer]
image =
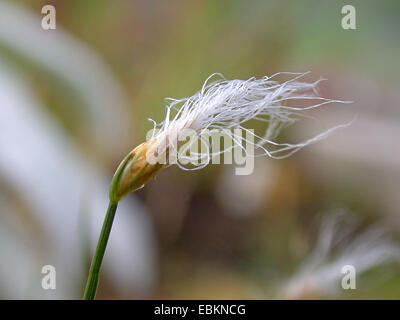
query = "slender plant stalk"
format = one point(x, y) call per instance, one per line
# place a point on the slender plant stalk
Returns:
point(132, 173)
point(93, 278)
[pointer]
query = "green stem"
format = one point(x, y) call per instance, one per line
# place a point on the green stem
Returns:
point(93, 278)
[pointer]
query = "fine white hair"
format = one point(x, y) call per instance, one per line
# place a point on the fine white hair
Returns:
point(228, 104)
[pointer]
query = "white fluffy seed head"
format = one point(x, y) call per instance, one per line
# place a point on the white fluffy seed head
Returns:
point(228, 104)
point(339, 245)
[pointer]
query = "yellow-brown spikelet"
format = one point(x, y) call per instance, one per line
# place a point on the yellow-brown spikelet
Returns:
point(134, 171)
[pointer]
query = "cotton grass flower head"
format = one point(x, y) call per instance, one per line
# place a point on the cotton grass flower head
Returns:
point(226, 106)
point(339, 245)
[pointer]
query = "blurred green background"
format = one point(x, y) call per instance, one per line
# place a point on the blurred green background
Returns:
point(212, 234)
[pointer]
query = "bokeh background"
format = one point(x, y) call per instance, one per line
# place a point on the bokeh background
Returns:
point(75, 100)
